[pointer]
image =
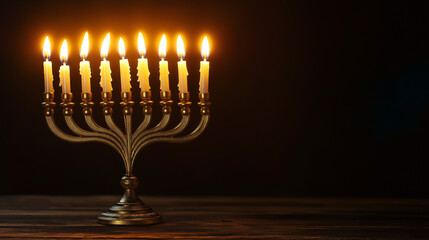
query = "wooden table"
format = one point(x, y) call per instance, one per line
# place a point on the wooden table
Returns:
point(58, 217)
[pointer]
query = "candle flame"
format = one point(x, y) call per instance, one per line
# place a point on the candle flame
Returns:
point(142, 47)
point(105, 46)
point(163, 47)
point(205, 48)
point(180, 47)
point(47, 49)
point(121, 48)
point(64, 52)
point(85, 46)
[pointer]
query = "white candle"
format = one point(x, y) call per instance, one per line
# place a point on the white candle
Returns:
point(204, 67)
point(143, 74)
point(163, 65)
point(47, 67)
point(163, 75)
point(85, 73)
point(124, 68)
point(142, 66)
point(84, 68)
point(181, 66)
point(105, 72)
point(64, 69)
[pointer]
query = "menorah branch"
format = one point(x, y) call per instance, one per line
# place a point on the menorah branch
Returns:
point(184, 105)
point(107, 105)
point(49, 113)
point(166, 112)
point(146, 103)
point(86, 105)
point(105, 138)
point(168, 136)
point(182, 139)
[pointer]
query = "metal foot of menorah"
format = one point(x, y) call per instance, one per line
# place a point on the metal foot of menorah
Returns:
point(129, 210)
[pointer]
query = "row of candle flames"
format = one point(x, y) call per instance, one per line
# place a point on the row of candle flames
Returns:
point(143, 70)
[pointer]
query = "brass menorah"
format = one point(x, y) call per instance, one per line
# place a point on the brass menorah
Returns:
point(129, 210)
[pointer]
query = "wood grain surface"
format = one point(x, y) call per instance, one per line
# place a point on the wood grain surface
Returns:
point(74, 217)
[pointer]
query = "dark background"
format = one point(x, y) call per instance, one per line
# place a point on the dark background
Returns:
point(310, 98)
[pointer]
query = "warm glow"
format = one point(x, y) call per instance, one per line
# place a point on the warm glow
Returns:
point(121, 48)
point(47, 49)
point(85, 46)
point(105, 46)
point(142, 47)
point(163, 47)
point(205, 48)
point(64, 52)
point(180, 47)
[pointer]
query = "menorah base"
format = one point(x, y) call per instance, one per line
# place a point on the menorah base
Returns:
point(129, 214)
point(130, 210)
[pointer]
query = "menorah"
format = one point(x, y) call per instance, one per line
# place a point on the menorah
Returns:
point(129, 210)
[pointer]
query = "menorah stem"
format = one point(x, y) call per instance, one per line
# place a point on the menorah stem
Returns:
point(128, 111)
point(128, 134)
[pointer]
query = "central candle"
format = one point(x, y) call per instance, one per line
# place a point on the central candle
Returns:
point(64, 69)
point(124, 68)
point(105, 72)
point(142, 66)
point(85, 70)
point(163, 65)
point(181, 66)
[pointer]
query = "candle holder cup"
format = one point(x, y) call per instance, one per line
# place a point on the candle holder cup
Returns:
point(129, 210)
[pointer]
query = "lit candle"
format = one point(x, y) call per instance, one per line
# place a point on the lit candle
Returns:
point(85, 70)
point(64, 69)
point(163, 65)
point(47, 66)
point(142, 67)
point(124, 68)
point(105, 72)
point(181, 66)
point(204, 67)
